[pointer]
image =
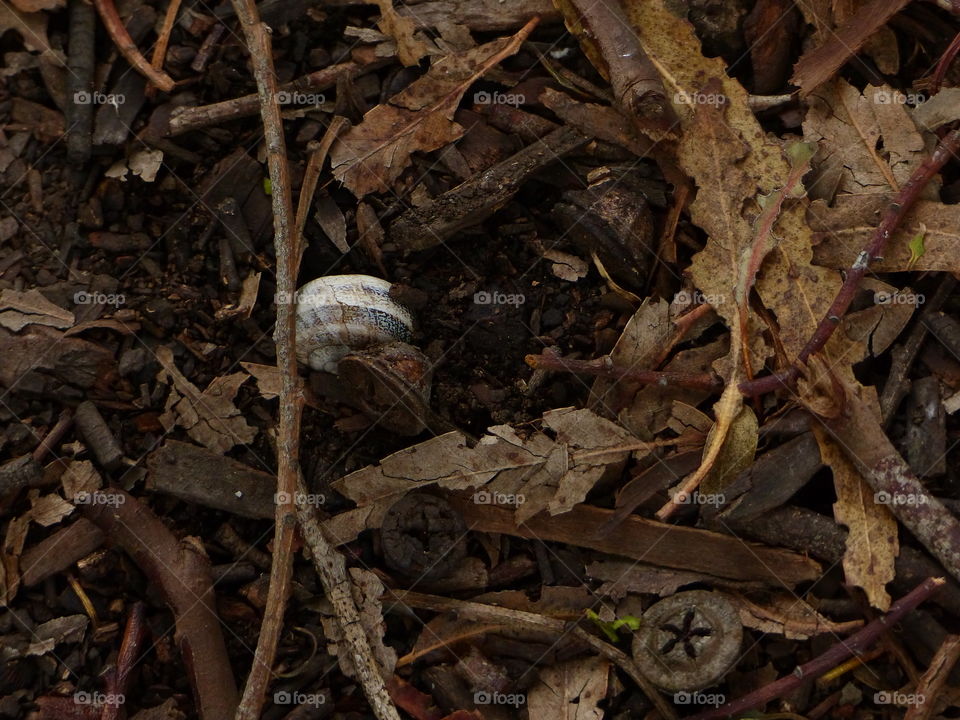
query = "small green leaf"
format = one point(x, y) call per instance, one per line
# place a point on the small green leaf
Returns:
point(916, 247)
point(610, 628)
point(267, 187)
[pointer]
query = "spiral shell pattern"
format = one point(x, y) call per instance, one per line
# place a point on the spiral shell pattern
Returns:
point(337, 314)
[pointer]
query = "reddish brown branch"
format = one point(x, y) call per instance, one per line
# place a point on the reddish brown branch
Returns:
point(121, 38)
point(892, 217)
point(858, 642)
point(182, 572)
point(604, 367)
point(130, 647)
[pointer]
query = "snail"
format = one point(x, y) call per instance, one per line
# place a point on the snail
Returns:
point(349, 326)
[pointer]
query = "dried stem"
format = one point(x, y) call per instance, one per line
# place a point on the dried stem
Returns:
point(163, 41)
point(892, 217)
point(121, 38)
point(604, 367)
point(858, 642)
point(291, 397)
point(130, 647)
point(182, 572)
point(481, 612)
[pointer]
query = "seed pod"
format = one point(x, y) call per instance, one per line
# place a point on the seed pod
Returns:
point(341, 313)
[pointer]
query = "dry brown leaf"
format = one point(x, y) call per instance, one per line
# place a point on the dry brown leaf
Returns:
point(868, 142)
point(621, 577)
point(876, 328)
point(80, 477)
point(19, 309)
point(530, 474)
point(247, 301)
point(49, 509)
point(872, 543)
point(785, 614)
point(31, 26)
point(570, 690)
point(367, 589)
point(794, 290)
point(842, 231)
point(210, 417)
point(409, 47)
point(371, 155)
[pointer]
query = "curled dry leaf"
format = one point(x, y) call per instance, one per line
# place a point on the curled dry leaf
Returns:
point(570, 690)
point(19, 309)
point(210, 417)
point(371, 155)
point(872, 543)
point(529, 473)
point(785, 614)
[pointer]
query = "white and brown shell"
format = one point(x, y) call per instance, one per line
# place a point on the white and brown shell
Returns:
point(341, 313)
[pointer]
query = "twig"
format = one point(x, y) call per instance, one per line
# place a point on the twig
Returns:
point(481, 612)
point(636, 82)
point(130, 646)
point(604, 367)
point(848, 647)
point(892, 217)
point(291, 399)
point(121, 38)
point(933, 680)
point(163, 40)
point(80, 64)
point(193, 118)
point(54, 436)
point(182, 572)
point(332, 569)
point(312, 174)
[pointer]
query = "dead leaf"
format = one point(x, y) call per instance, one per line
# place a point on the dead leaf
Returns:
point(19, 309)
point(787, 615)
point(31, 26)
point(842, 231)
point(409, 47)
point(570, 690)
point(371, 155)
point(872, 544)
point(529, 474)
point(80, 476)
point(248, 299)
point(209, 417)
point(49, 509)
point(868, 142)
point(566, 266)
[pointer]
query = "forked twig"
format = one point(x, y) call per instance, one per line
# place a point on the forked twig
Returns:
point(121, 38)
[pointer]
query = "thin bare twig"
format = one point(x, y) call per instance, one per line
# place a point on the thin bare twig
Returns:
point(291, 397)
point(847, 647)
point(121, 38)
point(482, 612)
point(892, 217)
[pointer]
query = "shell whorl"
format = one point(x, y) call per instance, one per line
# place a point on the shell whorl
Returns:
point(337, 314)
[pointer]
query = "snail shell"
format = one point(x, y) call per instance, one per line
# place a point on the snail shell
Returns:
point(338, 314)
